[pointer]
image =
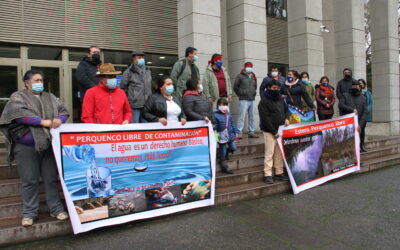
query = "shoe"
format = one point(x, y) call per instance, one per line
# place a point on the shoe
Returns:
point(61, 216)
point(268, 180)
point(224, 167)
point(27, 222)
point(253, 136)
point(362, 149)
point(237, 139)
point(281, 177)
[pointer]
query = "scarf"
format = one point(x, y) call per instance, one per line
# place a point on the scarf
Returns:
point(291, 83)
point(327, 90)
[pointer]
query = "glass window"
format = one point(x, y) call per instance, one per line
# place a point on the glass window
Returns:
point(51, 79)
point(118, 57)
point(9, 52)
point(9, 84)
point(276, 8)
point(44, 53)
point(77, 54)
point(160, 60)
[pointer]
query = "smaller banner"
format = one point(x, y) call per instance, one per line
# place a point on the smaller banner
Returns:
point(298, 116)
point(112, 174)
point(317, 152)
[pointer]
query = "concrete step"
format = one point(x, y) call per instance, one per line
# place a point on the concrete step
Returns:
point(383, 141)
point(12, 206)
point(12, 187)
point(381, 151)
point(8, 172)
point(241, 176)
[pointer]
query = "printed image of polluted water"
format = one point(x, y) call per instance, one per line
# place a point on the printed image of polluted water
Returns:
point(87, 173)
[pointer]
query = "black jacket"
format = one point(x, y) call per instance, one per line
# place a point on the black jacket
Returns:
point(196, 107)
point(297, 91)
point(351, 102)
point(245, 87)
point(272, 114)
point(343, 86)
point(85, 75)
point(156, 107)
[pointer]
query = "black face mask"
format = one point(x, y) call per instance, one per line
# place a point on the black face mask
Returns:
point(355, 92)
point(96, 59)
point(347, 77)
point(273, 94)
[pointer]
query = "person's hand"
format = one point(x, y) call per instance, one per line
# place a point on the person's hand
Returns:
point(206, 119)
point(56, 123)
point(163, 121)
point(359, 129)
point(327, 105)
point(183, 121)
point(287, 122)
point(229, 99)
point(284, 96)
point(46, 123)
point(125, 122)
point(210, 101)
point(276, 135)
point(355, 112)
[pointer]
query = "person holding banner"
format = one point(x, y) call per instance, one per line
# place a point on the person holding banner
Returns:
point(273, 113)
point(293, 92)
point(162, 106)
point(325, 96)
point(106, 103)
point(195, 104)
point(26, 122)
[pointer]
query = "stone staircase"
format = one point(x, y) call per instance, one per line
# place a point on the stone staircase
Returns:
point(246, 183)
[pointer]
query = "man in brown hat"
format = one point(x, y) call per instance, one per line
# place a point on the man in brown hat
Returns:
point(106, 103)
point(136, 81)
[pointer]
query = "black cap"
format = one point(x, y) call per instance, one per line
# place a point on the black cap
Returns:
point(137, 53)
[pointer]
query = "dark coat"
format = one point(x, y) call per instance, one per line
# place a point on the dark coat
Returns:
point(245, 87)
point(156, 107)
point(273, 114)
point(267, 80)
point(351, 102)
point(196, 107)
point(322, 101)
point(344, 86)
point(297, 91)
point(85, 75)
point(220, 124)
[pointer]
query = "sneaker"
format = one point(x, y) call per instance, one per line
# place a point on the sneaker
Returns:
point(224, 167)
point(253, 136)
point(61, 216)
point(281, 177)
point(268, 180)
point(27, 222)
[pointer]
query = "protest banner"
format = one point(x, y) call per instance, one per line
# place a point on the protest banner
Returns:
point(317, 152)
point(112, 174)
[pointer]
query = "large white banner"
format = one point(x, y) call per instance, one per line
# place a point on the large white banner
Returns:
point(112, 174)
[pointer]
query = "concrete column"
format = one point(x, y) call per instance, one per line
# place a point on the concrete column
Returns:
point(349, 37)
point(329, 41)
point(385, 63)
point(306, 45)
point(247, 41)
point(199, 26)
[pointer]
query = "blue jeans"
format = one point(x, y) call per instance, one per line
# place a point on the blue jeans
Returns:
point(223, 148)
point(246, 107)
point(136, 116)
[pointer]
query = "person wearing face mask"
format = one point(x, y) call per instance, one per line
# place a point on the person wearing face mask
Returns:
point(26, 122)
point(106, 103)
point(345, 84)
point(370, 101)
point(245, 87)
point(185, 69)
point(87, 69)
point(163, 106)
point(274, 75)
point(136, 82)
point(273, 113)
point(354, 102)
point(305, 79)
point(216, 81)
point(195, 104)
point(325, 96)
point(227, 132)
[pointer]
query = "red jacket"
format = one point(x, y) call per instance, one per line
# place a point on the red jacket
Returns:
point(104, 106)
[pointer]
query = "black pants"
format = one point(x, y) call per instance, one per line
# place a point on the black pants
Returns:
point(362, 135)
point(324, 117)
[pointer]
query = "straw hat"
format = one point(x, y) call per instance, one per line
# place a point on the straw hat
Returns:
point(107, 69)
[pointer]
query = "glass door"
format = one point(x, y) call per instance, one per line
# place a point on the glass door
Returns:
point(51, 79)
point(9, 83)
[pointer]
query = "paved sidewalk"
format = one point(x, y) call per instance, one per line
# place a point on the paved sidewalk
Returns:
point(355, 212)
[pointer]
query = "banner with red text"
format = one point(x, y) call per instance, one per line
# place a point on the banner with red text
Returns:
point(111, 174)
point(317, 152)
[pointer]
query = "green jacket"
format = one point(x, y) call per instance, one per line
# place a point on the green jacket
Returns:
point(210, 83)
point(179, 78)
point(311, 92)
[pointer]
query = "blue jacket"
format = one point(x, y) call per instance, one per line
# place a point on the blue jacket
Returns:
point(370, 102)
point(266, 80)
point(220, 124)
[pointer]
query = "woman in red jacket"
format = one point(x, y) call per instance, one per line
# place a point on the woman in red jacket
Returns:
point(106, 103)
point(325, 96)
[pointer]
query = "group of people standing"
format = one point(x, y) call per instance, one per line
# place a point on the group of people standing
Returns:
point(31, 113)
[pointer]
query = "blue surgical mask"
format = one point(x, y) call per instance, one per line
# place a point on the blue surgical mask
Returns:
point(111, 83)
point(219, 63)
point(306, 81)
point(141, 62)
point(195, 58)
point(169, 89)
point(290, 79)
point(37, 87)
point(324, 84)
point(248, 70)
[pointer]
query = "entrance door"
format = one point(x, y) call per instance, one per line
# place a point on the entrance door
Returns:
point(9, 78)
point(51, 79)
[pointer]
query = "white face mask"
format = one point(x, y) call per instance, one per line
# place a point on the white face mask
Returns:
point(200, 88)
point(223, 109)
point(274, 73)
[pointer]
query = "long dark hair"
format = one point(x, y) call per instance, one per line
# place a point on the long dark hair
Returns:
point(161, 81)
